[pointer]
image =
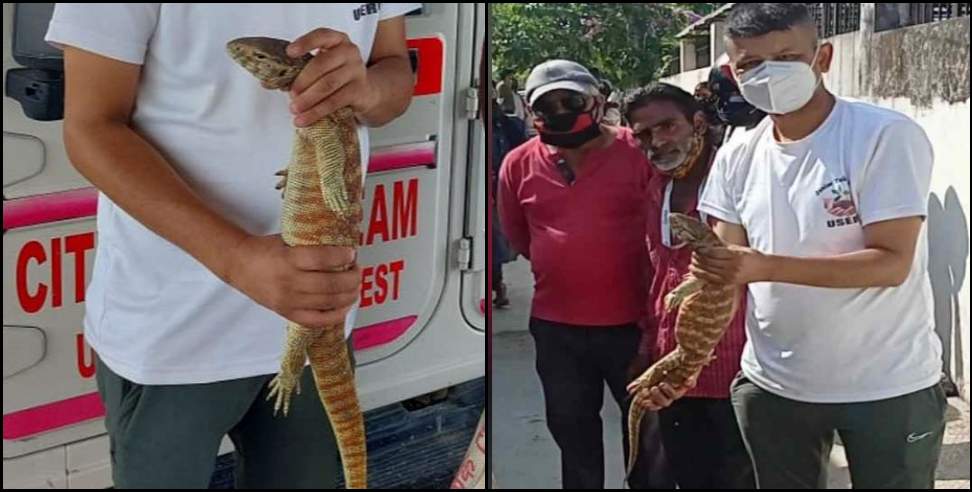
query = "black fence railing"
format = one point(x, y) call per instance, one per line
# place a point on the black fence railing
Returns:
point(923, 13)
point(894, 15)
point(835, 18)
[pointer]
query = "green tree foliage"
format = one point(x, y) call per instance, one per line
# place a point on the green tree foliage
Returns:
point(628, 43)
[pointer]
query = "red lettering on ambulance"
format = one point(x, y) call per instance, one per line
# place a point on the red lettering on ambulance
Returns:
point(405, 209)
point(78, 245)
point(375, 283)
point(56, 272)
point(86, 365)
point(32, 298)
point(378, 225)
point(403, 213)
point(30, 303)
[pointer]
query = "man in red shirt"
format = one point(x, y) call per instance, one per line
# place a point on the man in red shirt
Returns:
point(698, 426)
point(573, 201)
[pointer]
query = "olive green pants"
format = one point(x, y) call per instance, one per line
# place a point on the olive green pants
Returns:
point(168, 436)
point(890, 444)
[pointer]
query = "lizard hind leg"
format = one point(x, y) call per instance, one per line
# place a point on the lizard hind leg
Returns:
point(287, 381)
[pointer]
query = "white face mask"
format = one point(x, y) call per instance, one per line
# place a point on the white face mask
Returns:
point(778, 87)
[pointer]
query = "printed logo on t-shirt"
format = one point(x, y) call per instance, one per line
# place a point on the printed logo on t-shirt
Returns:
point(837, 201)
point(366, 9)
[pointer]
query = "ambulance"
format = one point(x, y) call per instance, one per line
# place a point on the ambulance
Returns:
point(420, 333)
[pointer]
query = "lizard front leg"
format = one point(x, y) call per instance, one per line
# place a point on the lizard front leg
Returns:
point(282, 184)
point(689, 286)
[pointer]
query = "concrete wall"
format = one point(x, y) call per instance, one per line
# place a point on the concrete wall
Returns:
point(688, 80)
point(922, 71)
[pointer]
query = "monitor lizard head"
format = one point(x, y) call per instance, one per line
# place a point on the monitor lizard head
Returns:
point(267, 59)
point(693, 232)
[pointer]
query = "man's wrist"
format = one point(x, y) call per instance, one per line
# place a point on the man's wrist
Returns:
point(766, 267)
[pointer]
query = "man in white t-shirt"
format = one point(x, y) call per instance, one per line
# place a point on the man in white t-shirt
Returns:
point(192, 283)
point(824, 206)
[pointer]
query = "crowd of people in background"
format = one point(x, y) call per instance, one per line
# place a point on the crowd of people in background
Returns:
point(718, 97)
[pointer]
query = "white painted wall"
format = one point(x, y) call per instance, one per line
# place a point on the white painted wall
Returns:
point(688, 80)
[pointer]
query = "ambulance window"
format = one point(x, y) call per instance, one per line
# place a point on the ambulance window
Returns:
point(39, 87)
point(29, 47)
point(417, 11)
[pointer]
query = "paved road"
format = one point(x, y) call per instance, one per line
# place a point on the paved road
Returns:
point(525, 456)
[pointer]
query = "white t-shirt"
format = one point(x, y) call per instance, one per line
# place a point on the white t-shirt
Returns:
point(810, 198)
point(153, 313)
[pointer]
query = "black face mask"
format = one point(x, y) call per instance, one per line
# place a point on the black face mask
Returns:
point(569, 130)
point(571, 140)
point(562, 122)
point(735, 111)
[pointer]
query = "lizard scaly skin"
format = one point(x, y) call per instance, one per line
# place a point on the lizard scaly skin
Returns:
point(704, 312)
point(322, 206)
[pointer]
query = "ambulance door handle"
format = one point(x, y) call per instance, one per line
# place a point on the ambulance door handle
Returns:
point(464, 256)
point(472, 103)
point(23, 347)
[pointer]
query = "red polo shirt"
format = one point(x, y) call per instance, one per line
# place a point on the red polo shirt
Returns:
point(585, 240)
